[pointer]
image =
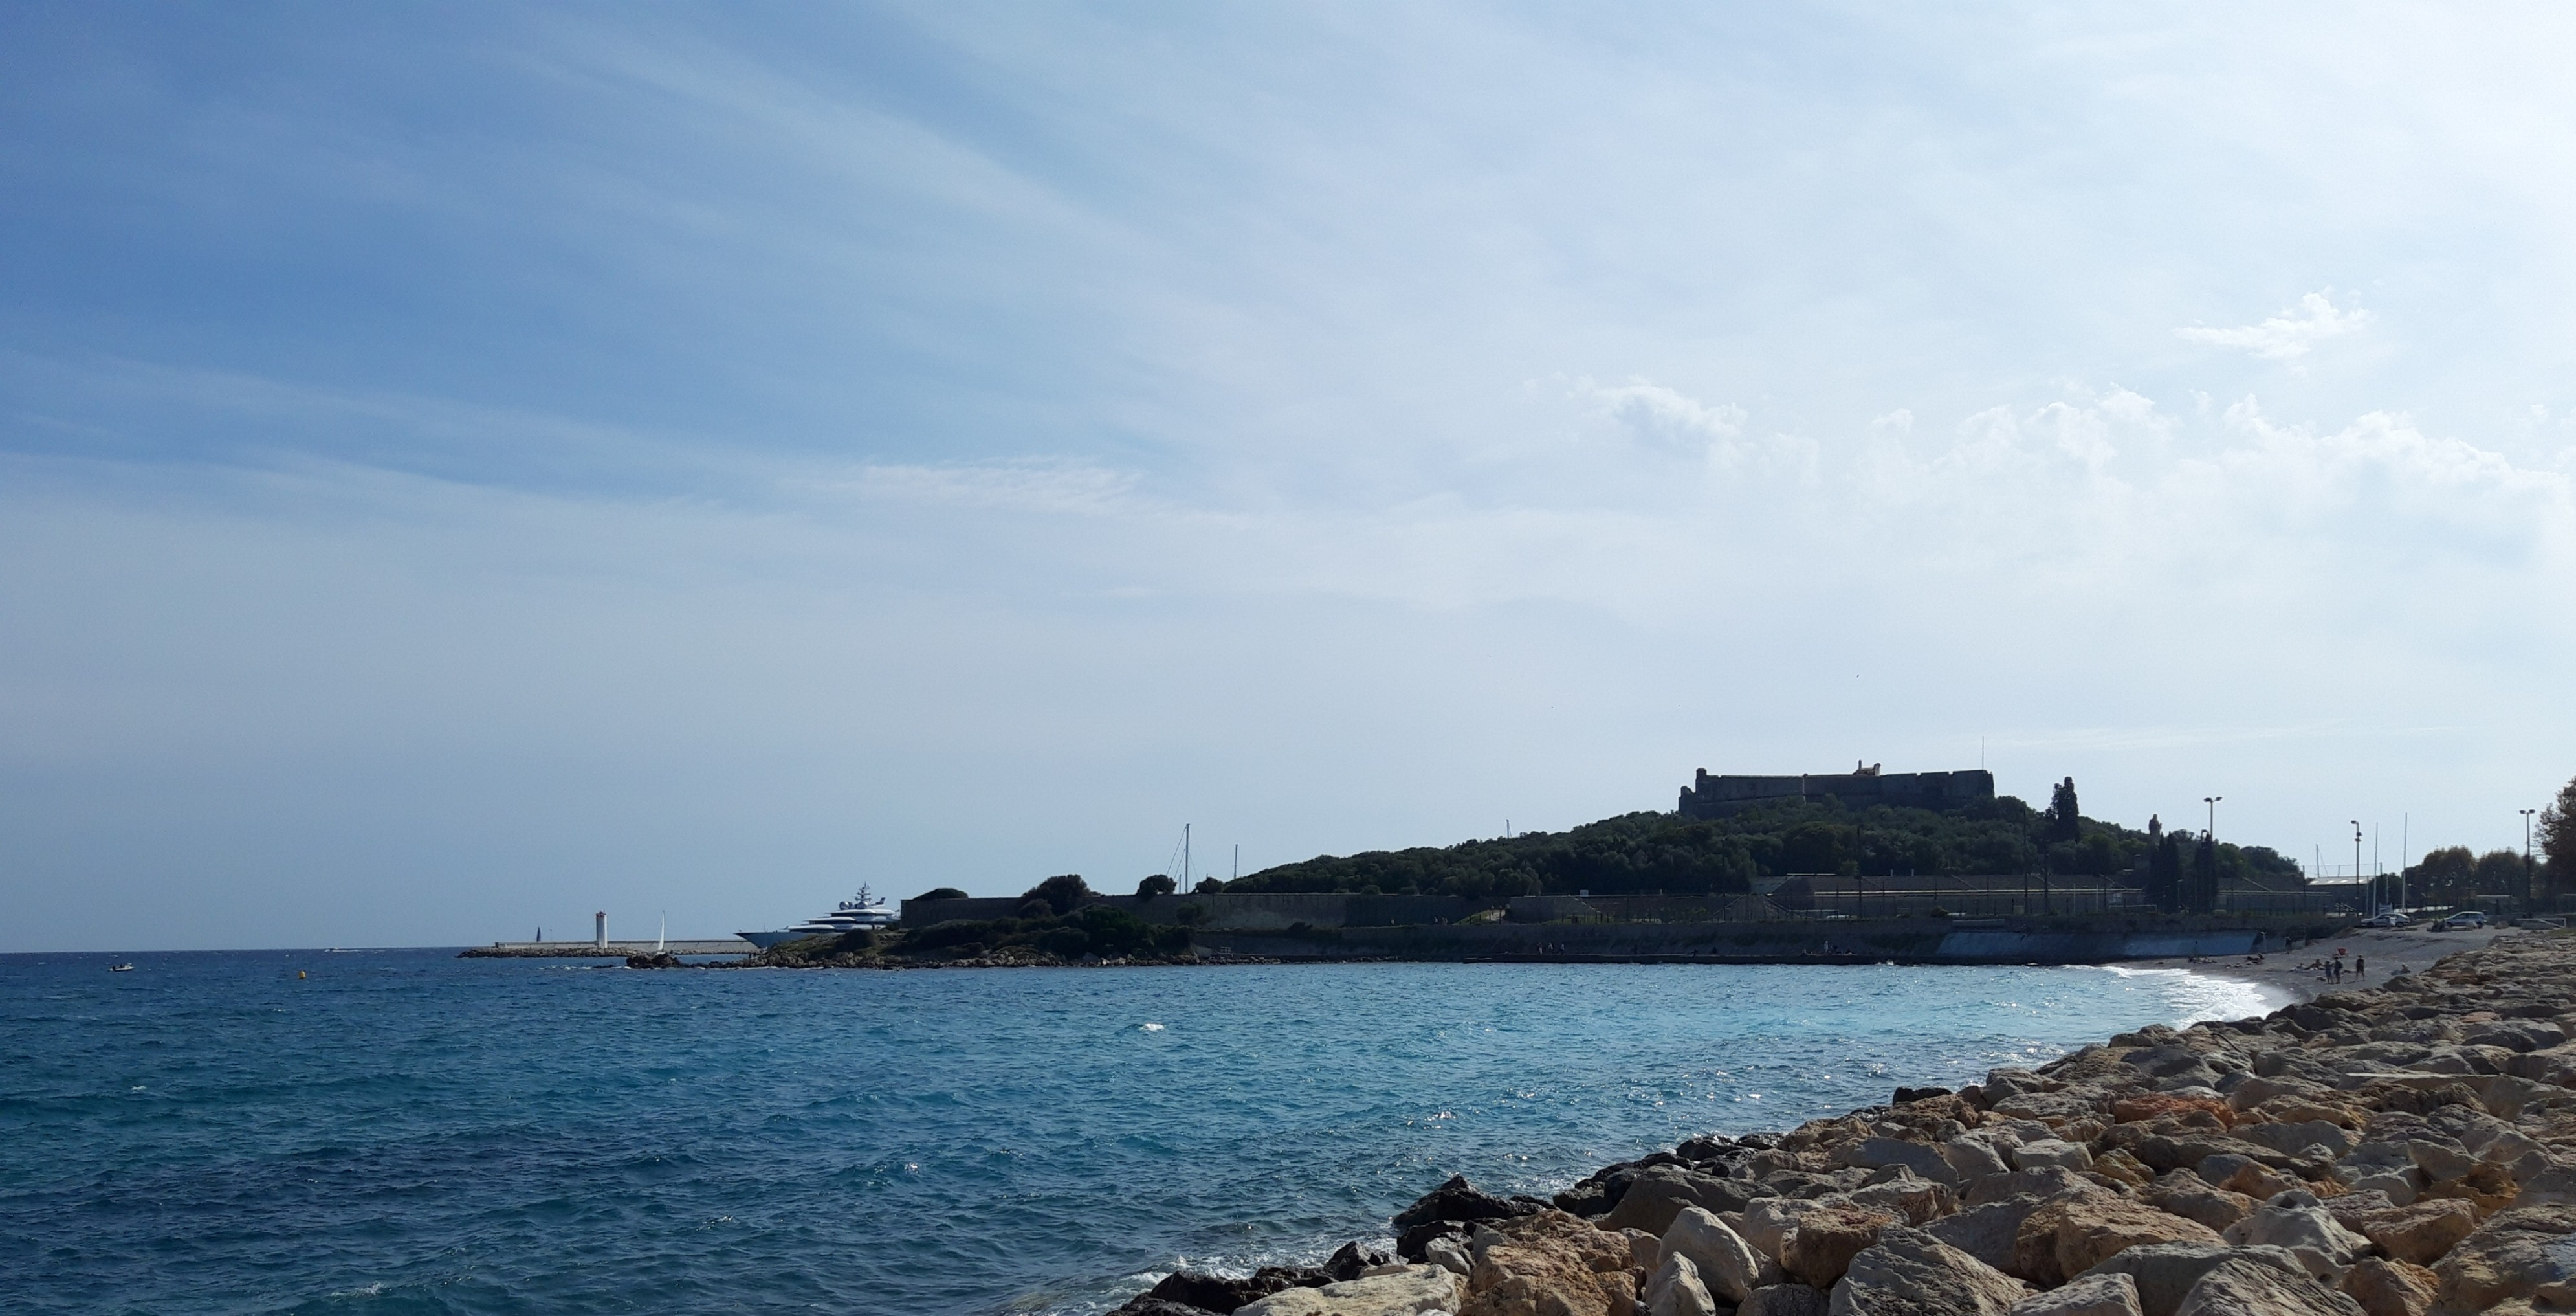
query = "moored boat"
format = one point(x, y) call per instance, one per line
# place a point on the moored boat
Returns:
point(859, 912)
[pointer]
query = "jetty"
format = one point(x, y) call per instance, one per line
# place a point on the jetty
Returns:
point(598, 949)
point(2408, 1149)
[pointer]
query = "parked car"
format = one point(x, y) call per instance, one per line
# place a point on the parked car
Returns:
point(2391, 919)
point(2463, 921)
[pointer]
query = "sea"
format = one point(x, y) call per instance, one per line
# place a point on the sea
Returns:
point(379, 1132)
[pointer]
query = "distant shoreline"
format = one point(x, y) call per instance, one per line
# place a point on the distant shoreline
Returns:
point(2381, 951)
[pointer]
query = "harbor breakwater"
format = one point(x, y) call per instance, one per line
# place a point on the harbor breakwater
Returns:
point(2407, 1150)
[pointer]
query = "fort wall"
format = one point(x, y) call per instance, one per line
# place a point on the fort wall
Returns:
point(1716, 797)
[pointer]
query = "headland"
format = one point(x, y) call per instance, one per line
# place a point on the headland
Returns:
point(2401, 1149)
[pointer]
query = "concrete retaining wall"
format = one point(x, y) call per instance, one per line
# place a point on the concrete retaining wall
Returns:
point(1910, 941)
point(1230, 911)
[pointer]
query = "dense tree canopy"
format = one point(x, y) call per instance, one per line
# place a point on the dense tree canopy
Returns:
point(2454, 876)
point(1646, 852)
point(2558, 834)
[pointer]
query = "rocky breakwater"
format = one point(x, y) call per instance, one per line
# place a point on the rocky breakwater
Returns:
point(2394, 1152)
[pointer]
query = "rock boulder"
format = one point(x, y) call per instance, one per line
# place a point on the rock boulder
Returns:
point(1723, 1260)
point(2390, 1288)
point(2240, 1287)
point(1817, 1252)
point(2165, 1272)
point(2090, 1295)
point(2295, 1221)
point(2420, 1233)
point(2526, 1253)
point(1413, 1291)
point(2072, 1235)
point(1675, 1290)
point(1909, 1273)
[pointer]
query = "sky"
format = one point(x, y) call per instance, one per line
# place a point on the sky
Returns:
point(464, 467)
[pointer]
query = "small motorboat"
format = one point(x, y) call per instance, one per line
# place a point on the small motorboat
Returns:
point(120, 968)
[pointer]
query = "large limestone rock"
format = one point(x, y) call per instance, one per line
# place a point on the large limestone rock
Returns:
point(1768, 1222)
point(2526, 1253)
point(2297, 1222)
point(1972, 1157)
point(2121, 1167)
point(2165, 1272)
point(2039, 1181)
point(2420, 1233)
point(2239, 1287)
point(1909, 1273)
point(1412, 1291)
point(1723, 1260)
point(1654, 1197)
point(1675, 1290)
point(2074, 1234)
point(1987, 1232)
point(1550, 1264)
point(1925, 1160)
point(2052, 1151)
point(2110, 1294)
point(1450, 1254)
point(2186, 1194)
point(2314, 1139)
point(1817, 1252)
point(2390, 1288)
point(1900, 1190)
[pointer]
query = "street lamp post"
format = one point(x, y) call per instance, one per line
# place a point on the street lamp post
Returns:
point(2370, 903)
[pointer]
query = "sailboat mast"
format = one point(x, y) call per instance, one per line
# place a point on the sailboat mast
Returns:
point(1185, 856)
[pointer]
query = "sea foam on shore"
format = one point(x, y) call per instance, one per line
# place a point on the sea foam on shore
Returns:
point(2394, 1151)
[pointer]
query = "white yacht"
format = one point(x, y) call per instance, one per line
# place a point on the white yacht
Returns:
point(861, 911)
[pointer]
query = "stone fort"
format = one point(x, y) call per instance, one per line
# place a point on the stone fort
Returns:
point(1716, 797)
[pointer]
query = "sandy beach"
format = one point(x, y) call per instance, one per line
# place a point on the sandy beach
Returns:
point(2382, 951)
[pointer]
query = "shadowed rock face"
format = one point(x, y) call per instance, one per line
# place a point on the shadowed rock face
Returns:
point(2390, 1288)
point(2408, 1150)
point(2527, 1253)
point(2250, 1288)
point(1907, 1272)
point(2089, 1295)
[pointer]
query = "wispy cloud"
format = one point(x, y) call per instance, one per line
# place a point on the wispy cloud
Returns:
point(2288, 335)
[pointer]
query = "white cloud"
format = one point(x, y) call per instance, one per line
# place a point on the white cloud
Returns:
point(2288, 335)
point(1668, 414)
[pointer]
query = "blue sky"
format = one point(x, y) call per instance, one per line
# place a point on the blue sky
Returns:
point(463, 467)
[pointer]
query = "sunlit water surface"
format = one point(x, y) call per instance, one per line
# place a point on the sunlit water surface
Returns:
point(408, 1132)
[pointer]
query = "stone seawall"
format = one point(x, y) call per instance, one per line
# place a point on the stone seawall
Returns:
point(2408, 1150)
point(2091, 939)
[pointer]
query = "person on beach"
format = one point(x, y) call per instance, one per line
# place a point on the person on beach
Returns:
point(2357, 969)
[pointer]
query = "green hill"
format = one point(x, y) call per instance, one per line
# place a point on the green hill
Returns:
point(1646, 852)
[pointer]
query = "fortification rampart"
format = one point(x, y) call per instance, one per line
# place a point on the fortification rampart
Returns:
point(1715, 797)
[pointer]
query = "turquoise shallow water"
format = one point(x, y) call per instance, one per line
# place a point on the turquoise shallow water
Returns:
point(408, 1132)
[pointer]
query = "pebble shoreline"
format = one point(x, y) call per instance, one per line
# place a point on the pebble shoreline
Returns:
point(2402, 1149)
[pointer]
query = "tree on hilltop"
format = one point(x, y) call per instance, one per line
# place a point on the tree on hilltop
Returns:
point(1061, 893)
point(1157, 884)
point(2558, 834)
point(2065, 817)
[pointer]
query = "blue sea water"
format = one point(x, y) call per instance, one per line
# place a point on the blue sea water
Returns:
point(408, 1132)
